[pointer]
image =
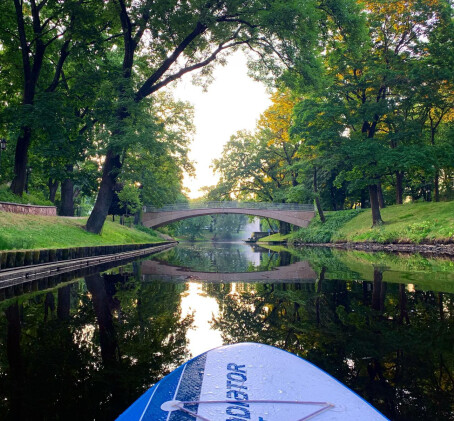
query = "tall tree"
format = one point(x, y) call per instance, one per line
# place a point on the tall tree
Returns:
point(164, 41)
point(267, 157)
point(365, 88)
point(43, 35)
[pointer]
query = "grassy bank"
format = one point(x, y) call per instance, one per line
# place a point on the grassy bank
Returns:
point(278, 238)
point(32, 232)
point(410, 223)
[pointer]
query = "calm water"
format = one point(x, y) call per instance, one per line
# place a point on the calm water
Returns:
point(85, 347)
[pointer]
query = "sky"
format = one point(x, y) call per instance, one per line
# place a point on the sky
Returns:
point(232, 102)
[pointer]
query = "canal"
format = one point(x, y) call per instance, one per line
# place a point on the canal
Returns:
point(85, 346)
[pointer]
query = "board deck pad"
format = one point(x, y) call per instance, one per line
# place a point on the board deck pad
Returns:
point(249, 382)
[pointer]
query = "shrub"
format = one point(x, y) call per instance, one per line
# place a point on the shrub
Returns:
point(32, 198)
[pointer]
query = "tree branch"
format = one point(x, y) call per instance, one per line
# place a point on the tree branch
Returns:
point(64, 53)
point(22, 38)
point(149, 85)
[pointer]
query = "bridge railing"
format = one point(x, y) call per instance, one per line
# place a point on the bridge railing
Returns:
point(231, 205)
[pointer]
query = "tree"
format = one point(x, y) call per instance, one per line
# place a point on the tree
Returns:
point(180, 40)
point(261, 165)
point(38, 37)
point(160, 154)
point(367, 91)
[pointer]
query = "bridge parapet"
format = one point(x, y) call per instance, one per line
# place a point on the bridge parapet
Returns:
point(271, 206)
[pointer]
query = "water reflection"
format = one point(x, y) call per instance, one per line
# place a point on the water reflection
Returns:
point(201, 335)
point(87, 348)
point(392, 346)
point(296, 272)
point(90, 348)
point(226, 257)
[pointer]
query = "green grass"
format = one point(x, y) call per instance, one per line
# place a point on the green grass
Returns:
point(274, 238)
point(409, 223)
point(317, 232)
point(32, 231)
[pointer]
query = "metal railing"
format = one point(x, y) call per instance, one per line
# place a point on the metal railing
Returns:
point(231, 205)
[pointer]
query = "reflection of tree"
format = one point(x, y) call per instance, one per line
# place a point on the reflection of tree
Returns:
point(14, 359)
point(108, 341)
point(392, 346)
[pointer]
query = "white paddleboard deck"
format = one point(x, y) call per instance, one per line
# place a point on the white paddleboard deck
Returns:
point(249, 382)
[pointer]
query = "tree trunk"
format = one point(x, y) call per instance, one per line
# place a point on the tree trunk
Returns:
point(403, 311)
point(15, 361)
point(110, 352)
point(399, 187)
point(437, 185)
point(20, 162)
point(53, 187)
point(31, 72)
point(363, 198)
point(317, 198)
point(318, 290)
point(376, 216)
point(64, 302)
point(381, 199)
point(112, 166)
point(378, 291)
point(137, 218)
point(333, 198)
point(284, 228)
point(67, 195)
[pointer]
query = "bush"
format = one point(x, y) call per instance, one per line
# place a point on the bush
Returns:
point(32, 198)
point(146, 230)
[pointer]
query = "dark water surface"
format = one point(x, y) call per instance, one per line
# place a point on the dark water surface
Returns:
point(86, 348)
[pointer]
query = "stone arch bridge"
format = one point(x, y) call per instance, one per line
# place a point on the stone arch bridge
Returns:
point(293, 213)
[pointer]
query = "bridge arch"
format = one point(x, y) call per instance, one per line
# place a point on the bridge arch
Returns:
point(293, 213)
point(300, 272)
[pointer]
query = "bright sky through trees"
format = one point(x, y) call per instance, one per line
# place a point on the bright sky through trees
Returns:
point(233, 102)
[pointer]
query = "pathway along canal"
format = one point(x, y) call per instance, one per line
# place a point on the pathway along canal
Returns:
point(86, 346)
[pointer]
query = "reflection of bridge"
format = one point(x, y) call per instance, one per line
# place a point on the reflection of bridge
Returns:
point(296, 272)
point(293, 213)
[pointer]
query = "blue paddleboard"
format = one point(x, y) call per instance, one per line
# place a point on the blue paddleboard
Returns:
point(249, 382)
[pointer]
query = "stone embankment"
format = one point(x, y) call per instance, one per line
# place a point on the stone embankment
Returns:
point(439, 249)
point(28, 209)
point(18, 258)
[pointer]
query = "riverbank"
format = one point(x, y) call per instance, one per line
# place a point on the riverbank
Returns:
point(18, 232)
point(405, 227)
point(437, 249)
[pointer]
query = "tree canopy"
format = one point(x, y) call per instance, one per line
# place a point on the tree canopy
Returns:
point(361, 114)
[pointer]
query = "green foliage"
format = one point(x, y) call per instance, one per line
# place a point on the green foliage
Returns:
point(408, 223)
point(129, 199)
point(318, 232)
point(146, 230)
point(32, 198)
point(380, 111)
point(214, 227)
point(162, 134)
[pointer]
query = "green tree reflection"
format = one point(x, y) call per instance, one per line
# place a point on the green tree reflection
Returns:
point(89, 349)
point(391, 345)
